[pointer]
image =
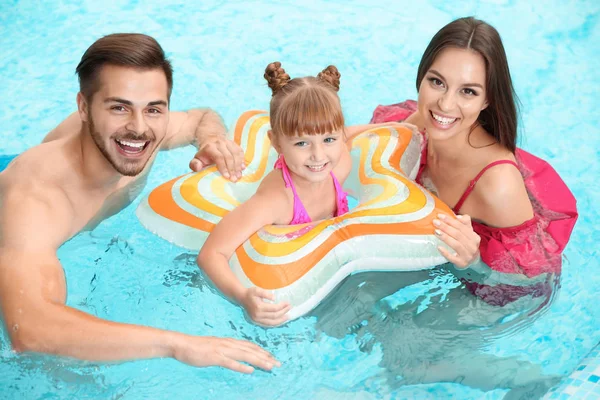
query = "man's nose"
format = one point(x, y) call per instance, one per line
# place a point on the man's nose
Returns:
point(137, 123)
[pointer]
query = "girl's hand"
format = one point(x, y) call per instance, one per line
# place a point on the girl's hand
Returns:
point(262, 312)
point(459, 235)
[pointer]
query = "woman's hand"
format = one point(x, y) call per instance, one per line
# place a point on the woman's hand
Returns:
point(262, 312)
point(458, 233)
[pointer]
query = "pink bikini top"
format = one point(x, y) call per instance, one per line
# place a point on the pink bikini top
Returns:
point(300, 214)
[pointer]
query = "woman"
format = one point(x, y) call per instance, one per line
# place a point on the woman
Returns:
point(522, 216)
point(512, 208)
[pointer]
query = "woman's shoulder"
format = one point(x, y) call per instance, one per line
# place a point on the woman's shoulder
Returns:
point(501, 195)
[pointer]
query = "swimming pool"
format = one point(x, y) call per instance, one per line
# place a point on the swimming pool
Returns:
point(393, 349)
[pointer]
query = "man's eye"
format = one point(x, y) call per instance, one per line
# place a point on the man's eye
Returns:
point(118, 108)
point(153, 111)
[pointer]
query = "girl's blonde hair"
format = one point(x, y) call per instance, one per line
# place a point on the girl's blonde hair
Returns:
point(304, 106)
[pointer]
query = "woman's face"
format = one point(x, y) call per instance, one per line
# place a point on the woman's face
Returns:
point(453, 93)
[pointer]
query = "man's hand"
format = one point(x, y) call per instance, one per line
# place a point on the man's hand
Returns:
point(228, 353)
point(226, 154)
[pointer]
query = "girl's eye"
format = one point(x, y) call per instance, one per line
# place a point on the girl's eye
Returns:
point(330, 140)
point(469, 92)
point(300, 144)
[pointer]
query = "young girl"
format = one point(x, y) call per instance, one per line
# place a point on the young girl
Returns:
point(307, 130)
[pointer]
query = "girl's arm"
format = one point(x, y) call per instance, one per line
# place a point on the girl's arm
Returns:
point(234, 229)
point(342, 169)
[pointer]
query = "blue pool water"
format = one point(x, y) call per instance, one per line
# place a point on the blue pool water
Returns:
point(5, 160)
point(427, 341)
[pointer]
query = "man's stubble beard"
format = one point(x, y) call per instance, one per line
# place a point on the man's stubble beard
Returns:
point(126, 168)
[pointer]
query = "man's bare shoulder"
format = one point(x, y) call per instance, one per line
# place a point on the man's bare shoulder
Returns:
point(34, 212)
point(69, 127)
point(41, 164)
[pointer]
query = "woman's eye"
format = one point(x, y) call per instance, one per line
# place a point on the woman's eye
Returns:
point(470, 92)
point(436, 82)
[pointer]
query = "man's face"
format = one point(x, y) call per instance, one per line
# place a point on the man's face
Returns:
point(128, 116)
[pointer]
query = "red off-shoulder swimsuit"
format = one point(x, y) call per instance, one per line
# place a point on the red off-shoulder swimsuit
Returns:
point(533, 247)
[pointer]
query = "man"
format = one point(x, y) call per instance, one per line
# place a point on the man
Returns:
point(88, 168)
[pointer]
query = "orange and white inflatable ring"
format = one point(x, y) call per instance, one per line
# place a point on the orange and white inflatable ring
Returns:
point(390, 229)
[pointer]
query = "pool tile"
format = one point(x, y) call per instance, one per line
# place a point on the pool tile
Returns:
point(594, 378)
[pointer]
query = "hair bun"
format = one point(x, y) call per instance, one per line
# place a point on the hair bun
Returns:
point(276, 76)
point(331, 76)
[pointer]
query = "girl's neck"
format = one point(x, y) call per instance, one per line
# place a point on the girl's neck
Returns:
point(308, 186)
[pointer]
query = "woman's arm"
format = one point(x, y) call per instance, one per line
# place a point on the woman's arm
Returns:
point(353, 131)
point(234, 229)
point(416, 120)
point(499, 200)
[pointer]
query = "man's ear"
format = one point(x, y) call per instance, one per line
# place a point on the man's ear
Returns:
point(274, 141)
point(82, 107)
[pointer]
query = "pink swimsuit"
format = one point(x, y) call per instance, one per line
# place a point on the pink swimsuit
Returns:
point(300, 214)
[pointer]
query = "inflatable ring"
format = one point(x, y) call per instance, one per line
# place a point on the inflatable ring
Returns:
point(390, 229)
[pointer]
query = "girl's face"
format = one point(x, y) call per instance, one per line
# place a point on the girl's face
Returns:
point(312, 157)
point(453, 93)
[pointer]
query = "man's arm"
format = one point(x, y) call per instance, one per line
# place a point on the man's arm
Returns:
point(204, 128)
point(33, 294)
point(194, 127)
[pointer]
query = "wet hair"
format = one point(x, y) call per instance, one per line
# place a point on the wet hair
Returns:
point(499, 118)
point(133, 50)
point(304, 106)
